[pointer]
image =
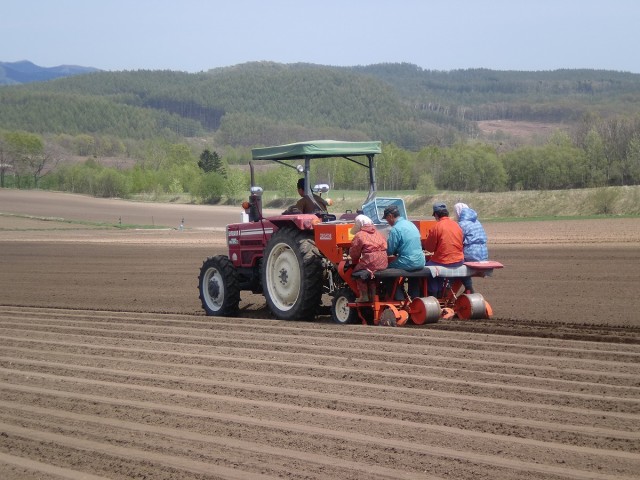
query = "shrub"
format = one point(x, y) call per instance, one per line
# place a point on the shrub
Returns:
point(210, 188)
point(604, 200)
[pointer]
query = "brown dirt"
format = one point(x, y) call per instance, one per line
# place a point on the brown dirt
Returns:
point(111, 370)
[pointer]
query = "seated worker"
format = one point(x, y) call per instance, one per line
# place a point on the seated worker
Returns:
point(368, 251)
point(405, 244)
point(444, 242)
point(305, 204)
point(403, 241)
point(474, 239)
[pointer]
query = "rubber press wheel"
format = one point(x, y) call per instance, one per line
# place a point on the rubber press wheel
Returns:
point(425, 310)
point(470, 306)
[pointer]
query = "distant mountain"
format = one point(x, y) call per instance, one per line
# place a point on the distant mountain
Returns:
point(14, 73)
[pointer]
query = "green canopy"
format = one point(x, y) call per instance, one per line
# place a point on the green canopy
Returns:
point(316, 149)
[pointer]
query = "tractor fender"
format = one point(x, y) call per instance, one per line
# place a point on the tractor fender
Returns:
point(301, 221)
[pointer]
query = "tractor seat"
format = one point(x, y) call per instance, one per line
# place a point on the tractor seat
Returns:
point(431, 271)
point(326, 217)
point(392, 273)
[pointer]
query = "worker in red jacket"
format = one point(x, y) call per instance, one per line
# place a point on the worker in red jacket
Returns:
point(444, 246)
point(368, 251)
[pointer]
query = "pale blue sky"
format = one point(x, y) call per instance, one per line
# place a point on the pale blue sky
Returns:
point(197, 35)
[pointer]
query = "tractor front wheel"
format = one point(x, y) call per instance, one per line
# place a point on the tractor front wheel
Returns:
point(292, 275)
point(219, 287)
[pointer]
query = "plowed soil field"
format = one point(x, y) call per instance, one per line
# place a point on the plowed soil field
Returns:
point(110, 369)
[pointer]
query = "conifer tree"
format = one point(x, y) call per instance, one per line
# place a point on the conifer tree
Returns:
point(211, 162)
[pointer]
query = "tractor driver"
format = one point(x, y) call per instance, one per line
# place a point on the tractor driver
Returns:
point(305, 204)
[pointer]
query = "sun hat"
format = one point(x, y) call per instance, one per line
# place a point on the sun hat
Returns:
point(458, 207)
point(359, 222)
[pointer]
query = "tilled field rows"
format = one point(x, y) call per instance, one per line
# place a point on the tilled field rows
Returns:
point(176, 396)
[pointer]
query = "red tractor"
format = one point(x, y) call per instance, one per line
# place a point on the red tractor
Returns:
point(293, 259)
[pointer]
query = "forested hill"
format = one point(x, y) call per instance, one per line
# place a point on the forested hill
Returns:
point(263, 103)
point(482, 94)
point(14, 73)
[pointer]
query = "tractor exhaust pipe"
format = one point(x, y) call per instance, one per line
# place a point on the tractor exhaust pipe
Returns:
point(254, 205)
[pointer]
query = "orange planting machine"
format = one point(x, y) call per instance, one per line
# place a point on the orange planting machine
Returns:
point(390, 303)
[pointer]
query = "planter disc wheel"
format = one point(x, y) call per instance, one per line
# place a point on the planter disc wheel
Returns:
point(471, 306)
point(425, 310)
point(489, 309)
point(388, 317)
point(219, 286)
point(392, 317)
point(292, 275)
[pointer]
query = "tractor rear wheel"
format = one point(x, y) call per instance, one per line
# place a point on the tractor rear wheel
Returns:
point(340, 311)
point(219, 287)
point(292, 274)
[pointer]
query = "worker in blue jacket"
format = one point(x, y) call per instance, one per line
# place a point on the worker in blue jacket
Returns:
point(403, 241)
point(474, 241)
point(405, 244)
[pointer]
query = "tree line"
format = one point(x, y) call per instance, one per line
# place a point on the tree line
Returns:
point(602, 152)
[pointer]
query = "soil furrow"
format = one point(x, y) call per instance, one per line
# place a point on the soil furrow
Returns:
point(297, 399)
point(289, 383)
point(469, 408)
point(243, 326)
point(127, 452)
point(572, 457)
point(435, 331)
point(218, 364)
point(375, 350)
point(40, 470)
point(508, 421)
point(226, 442)
point(251, 356)
point(629, 354)
point(329, 375)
